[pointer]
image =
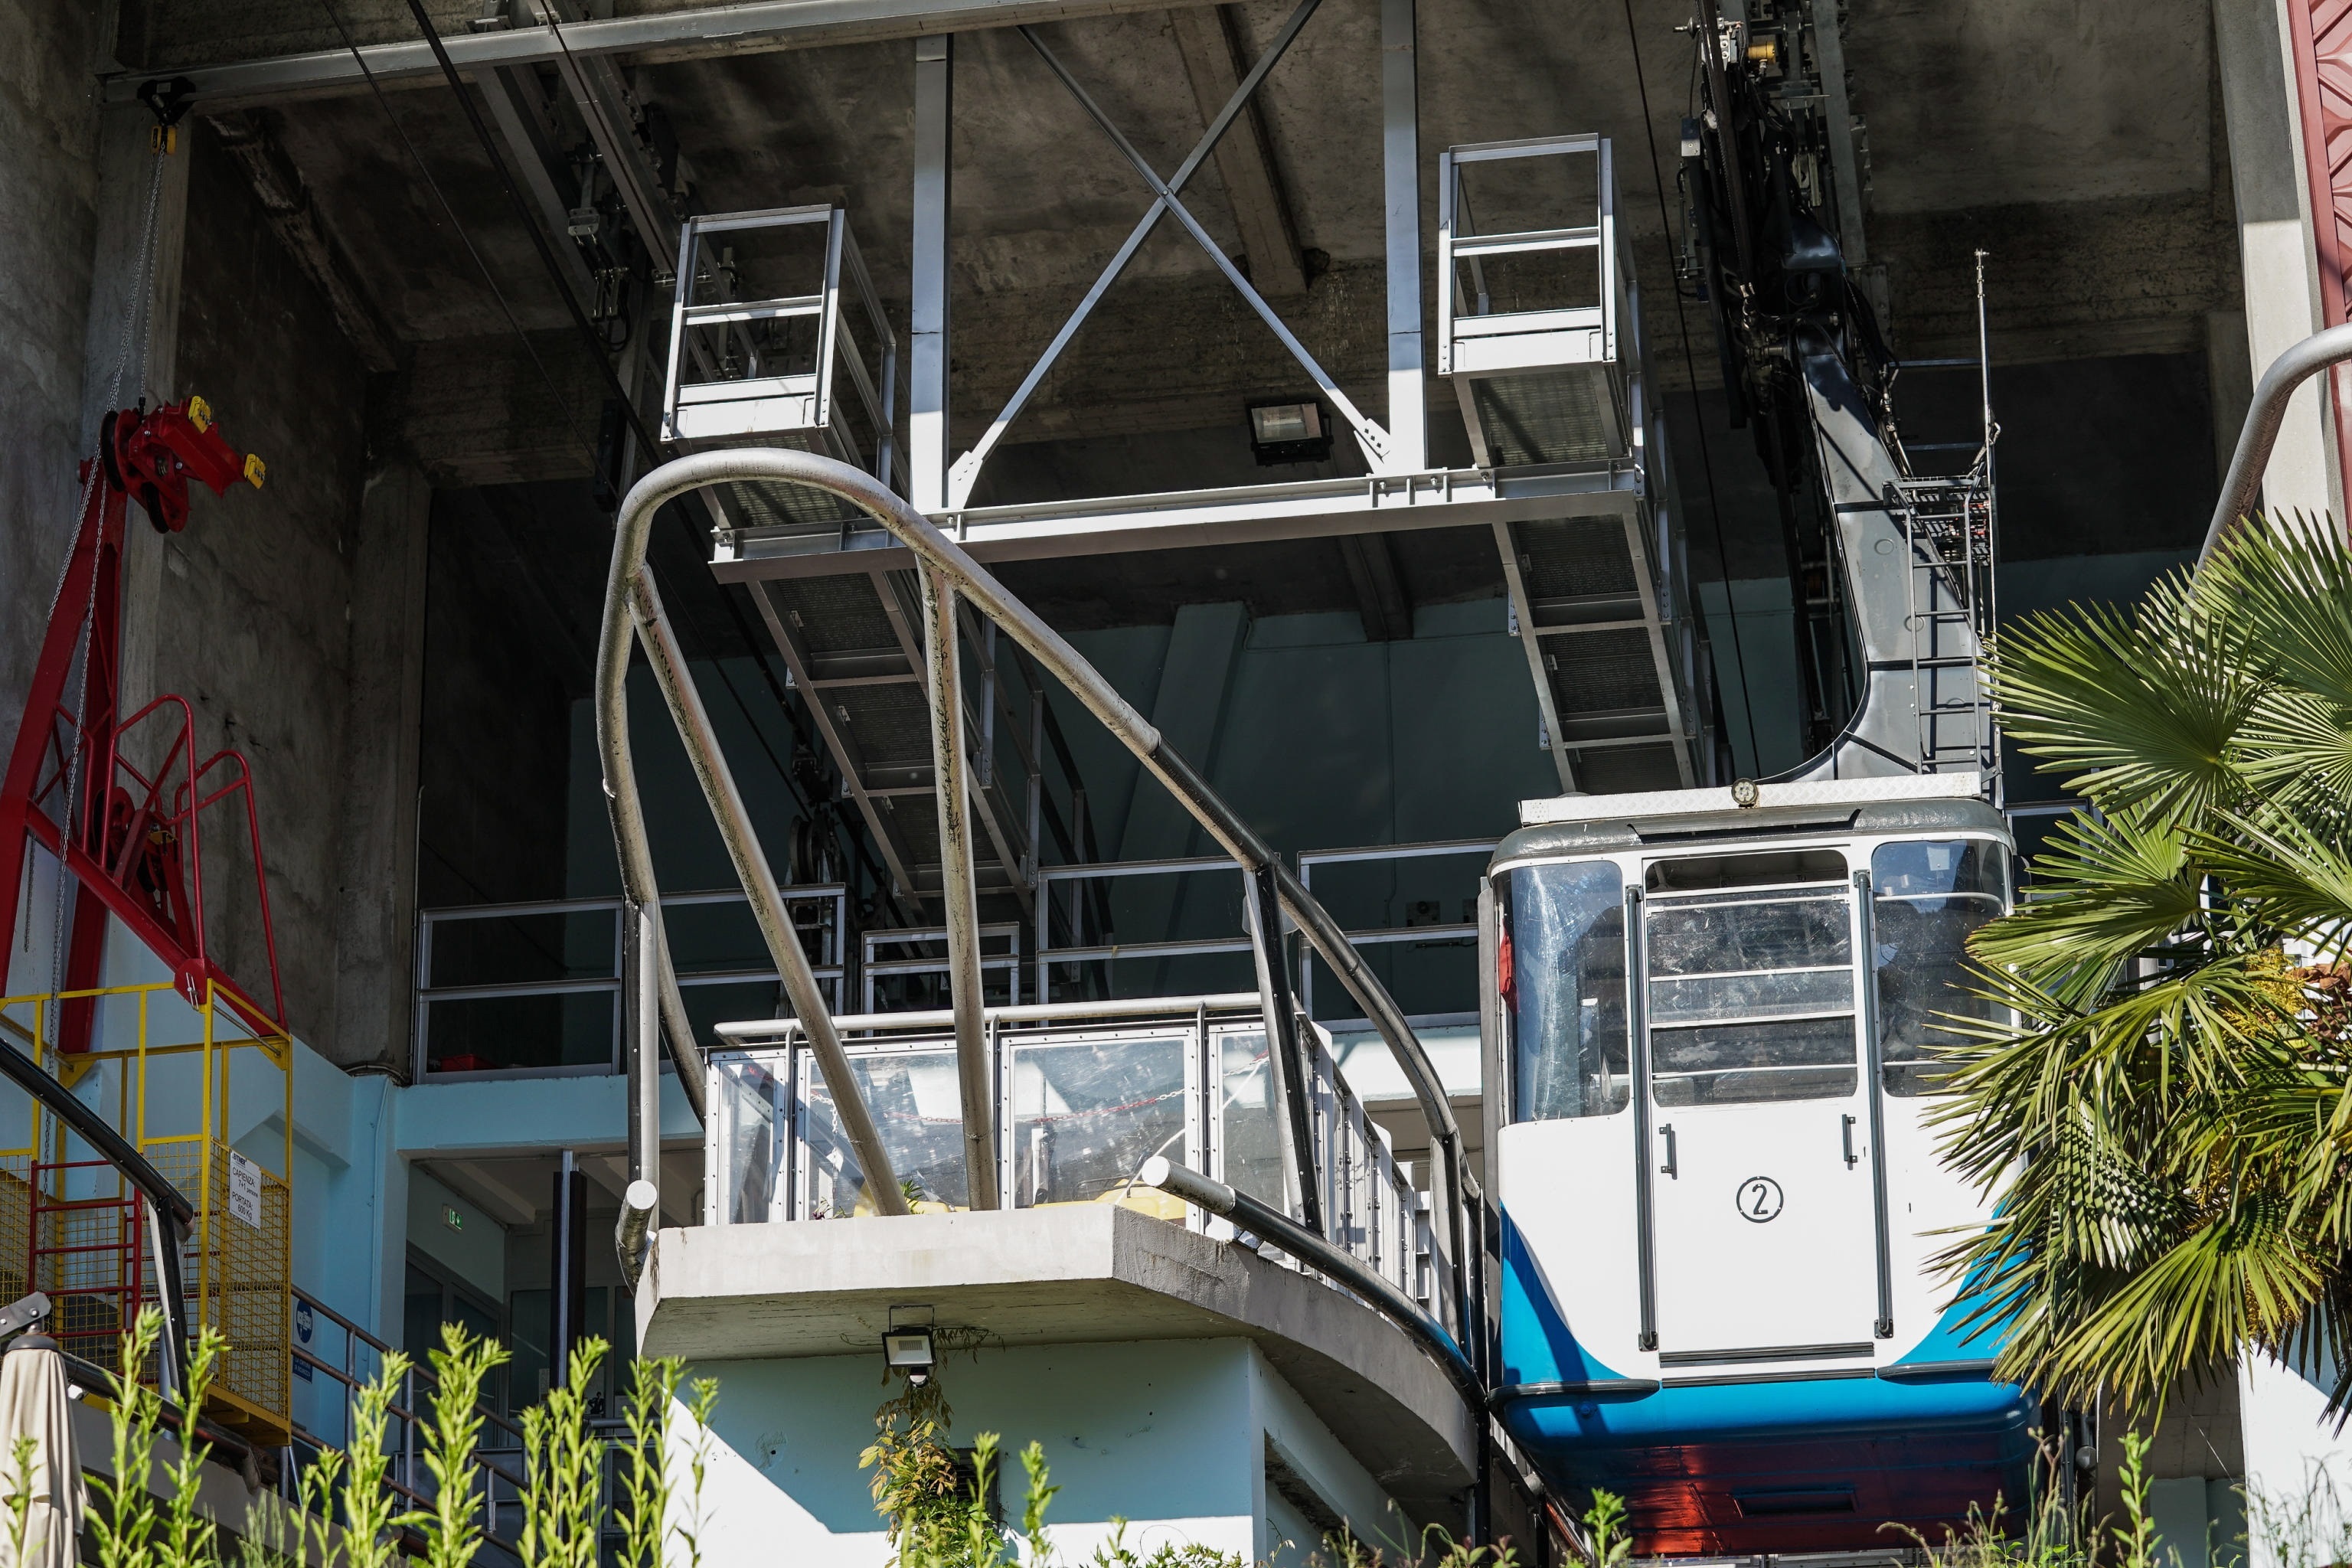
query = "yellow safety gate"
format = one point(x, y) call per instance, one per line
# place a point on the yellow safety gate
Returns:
point(211, 1105)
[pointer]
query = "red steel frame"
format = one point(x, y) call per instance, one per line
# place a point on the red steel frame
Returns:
point(2321, 34)
point(129, 839)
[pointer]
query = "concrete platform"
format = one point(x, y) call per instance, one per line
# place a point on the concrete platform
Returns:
point(1087, 1273)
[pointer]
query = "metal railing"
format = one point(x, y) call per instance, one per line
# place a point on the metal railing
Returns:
point(501, 1473)
point(1082, 915)
point(1085, 1094)
point(509, 967)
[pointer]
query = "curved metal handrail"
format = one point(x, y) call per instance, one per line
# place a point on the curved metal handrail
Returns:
point(629, 599)
point(2287, 372)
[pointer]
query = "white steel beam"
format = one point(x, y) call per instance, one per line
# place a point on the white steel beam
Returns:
point(928, 452)
point(1401, 191)
point(1251, 514)
point(686, 33)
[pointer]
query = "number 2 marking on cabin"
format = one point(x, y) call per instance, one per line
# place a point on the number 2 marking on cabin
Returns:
point(1760, 1199)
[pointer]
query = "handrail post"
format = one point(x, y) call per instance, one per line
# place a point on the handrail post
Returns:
point(1295, 1125)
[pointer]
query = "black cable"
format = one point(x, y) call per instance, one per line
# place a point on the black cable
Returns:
point(1698, 422)
point(613, 382)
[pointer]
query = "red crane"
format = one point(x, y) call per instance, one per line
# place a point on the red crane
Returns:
point(118, 798)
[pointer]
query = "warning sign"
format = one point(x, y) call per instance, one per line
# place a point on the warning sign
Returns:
point(244, 1190)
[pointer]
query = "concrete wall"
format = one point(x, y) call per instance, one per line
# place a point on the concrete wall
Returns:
point(251, 623)
point(1171, 1436)
point(49, 224)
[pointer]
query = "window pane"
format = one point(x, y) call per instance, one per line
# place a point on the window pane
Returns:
point(1930, 896)
point(1087, 1115)
point(1721, 936)
point(753, 1180)
point(1807, 1058)
point(1713, 999)
point(1253, 1142)
point(1565, 955)
point(919, 1111)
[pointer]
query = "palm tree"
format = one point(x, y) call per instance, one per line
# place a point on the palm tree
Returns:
point(2167, 1114)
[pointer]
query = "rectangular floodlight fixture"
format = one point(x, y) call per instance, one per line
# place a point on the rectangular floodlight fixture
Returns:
point(910, 1350)
point(1289, 432)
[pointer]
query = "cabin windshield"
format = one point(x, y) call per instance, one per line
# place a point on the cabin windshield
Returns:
point(1928, 896)
point(1563, 981)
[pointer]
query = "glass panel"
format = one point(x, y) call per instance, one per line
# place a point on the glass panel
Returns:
point(1731, 961)
point(751, 1179)
point(918, 1106)
point(1930, 896)
point(1253, 1139)
point(1809, 1059)
point(482, 1034)
point(515, 949)
point(1088, 1114)
point(1732, 936)
point(1787, 994)
point(1563, 977)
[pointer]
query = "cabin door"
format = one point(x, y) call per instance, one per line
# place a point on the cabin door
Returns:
point(1760, 1160)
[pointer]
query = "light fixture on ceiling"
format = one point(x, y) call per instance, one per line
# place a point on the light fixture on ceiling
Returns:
point(1291, 432)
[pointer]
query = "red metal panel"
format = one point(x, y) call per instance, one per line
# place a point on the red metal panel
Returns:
point(2321, 34)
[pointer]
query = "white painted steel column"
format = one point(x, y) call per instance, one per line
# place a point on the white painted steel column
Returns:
point(927, 453)
point(1408, 420)
point(959, 890)
point(2276, 251)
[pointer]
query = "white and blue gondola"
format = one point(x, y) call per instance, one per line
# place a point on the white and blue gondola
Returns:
point(1719, 1191)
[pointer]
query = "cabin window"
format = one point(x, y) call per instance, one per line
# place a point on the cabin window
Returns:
point(1928, 896)
point(1751, 975)
point(1563, 981)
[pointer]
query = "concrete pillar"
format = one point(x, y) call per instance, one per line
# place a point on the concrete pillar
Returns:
point(2274, 242)
point(375, 877)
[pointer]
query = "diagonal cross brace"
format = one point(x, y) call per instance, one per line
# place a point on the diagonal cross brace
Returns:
point(1370, 436)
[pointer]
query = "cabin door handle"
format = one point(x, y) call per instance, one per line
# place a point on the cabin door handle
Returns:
point(1668, 1169)
point(1850, 1158)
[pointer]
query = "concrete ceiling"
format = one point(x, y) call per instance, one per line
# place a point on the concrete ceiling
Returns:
point(1987, 101)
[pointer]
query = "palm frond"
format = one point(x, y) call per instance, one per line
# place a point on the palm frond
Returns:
point(2297, 881)
point(2139, 710)
point(2285, 587)
point(2105, 890)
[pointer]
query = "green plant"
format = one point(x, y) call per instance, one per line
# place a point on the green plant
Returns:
point(124, 1529)
point(566, 1466)
point(20, 1495)
point(2135, 1538)
point(2166, 1119)
point(188, 1537)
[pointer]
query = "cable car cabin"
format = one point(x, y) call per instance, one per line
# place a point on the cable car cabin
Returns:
point(1719, 1191)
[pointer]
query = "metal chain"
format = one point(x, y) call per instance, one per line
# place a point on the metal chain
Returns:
point(133, 316)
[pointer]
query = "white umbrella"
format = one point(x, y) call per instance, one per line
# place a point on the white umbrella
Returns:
point(33, 1404)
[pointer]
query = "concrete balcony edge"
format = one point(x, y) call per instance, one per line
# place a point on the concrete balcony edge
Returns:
point(1090, 1273)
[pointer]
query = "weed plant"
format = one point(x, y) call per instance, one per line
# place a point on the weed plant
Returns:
point(347, 1513)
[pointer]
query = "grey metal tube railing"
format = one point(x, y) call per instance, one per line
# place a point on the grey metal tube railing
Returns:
point(632, 607)
point(936, 550)
point(2287, 372)
point(1247, 1213)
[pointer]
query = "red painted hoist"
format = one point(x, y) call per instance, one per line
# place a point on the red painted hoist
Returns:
point(119, 799)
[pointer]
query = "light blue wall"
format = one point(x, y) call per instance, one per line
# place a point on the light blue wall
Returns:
point(1169, 1434)
point(475, 1251)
